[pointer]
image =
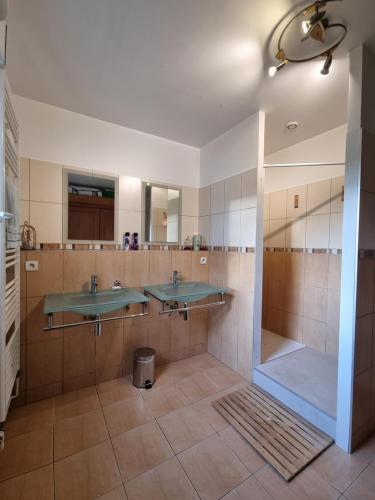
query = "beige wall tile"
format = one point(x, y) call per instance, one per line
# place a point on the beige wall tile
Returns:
point(136, 268)
point(319, 197)
point(79, 352)
point(204, 224)
point(314, 334)
point(316, 269)
point(217, 230)
point(182, 262)
point(189, 227)
point(296, 233)
point(190, 201)
point(362, 398)
point(128, 221)
point(25, 211)
point(335, 231)
point(317, 231)
point(363, 339)
point(277, 234)
point(296, 202)
point(78, 268)
point(109, 348)
point(36, 320)
point(49, 277)
point(160, 270)
point(205, 201)
point(25, 179)
point(249, 189)
point(278, 205)
point(109, 266)
point(337, 203)
point(44, 392)
point(199, 272)
point(316, 303)
point(365, 287)
point(233, 188)
point(44, 363)
point(217, 198)
point(232, 229)
point(334, 272)
point(130, 193)
point(295, 268)
point(266, 206)
point(47, 220)
point(45, 181)
point(248, 227)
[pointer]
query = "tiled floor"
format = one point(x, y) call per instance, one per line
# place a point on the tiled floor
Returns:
point(114, 442)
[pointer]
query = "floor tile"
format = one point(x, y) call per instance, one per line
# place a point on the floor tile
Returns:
point(307, 485)
point(166, 481)
point(223, 377)
point(202, 362)
point(164, 399)
point(29, 418)
point(26, 452)
point(212, 468)
point(116, 390)
point(184, 428)
point(126, 414)
point(363, 488)
point(87, 474)
point(338, 468)
point(249, 489)
point(197, 386)
point(140, 449)
point(241, 448)
point(116, 494)
point(35, 485)
point(76, 403)
point(75, 434)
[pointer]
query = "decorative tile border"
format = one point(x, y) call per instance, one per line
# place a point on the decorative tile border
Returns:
point(331, 251)
point(366, 254)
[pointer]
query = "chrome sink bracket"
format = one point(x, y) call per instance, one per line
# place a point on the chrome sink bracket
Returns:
point(96, 321)
point(50, 320)
point(98, 326)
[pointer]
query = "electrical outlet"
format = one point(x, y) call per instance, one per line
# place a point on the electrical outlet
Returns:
point(31, 265)
point(203, 260)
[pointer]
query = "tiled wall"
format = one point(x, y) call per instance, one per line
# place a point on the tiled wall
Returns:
point(302, 262)
point(230, 327)
point(42, 202)
point(301, 297)
point(227, 211)
point(315, 223)
point(63, 360)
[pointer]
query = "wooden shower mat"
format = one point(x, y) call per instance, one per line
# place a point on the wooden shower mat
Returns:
point(286, 441)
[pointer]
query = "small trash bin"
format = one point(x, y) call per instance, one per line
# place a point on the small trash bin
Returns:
point(144, 367)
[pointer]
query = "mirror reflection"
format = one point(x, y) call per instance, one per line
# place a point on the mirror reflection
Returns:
point(162, 213)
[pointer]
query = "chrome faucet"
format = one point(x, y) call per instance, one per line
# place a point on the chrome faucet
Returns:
point(94, 284)
point(176, 277)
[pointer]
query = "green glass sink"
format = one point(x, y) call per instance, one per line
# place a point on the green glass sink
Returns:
point(88, 304)
point(183, 292)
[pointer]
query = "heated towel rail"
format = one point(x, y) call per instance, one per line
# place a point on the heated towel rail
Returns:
point(9, 254)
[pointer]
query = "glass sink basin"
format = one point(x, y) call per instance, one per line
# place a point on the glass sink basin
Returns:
point(183, 292)
point(88, 304)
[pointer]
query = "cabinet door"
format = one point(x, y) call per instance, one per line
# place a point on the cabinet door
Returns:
point(83, 223)
point(107, 225)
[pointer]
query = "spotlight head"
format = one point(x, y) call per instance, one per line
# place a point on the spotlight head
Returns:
point(306, 25)
point(274, 69)
point(327, 64)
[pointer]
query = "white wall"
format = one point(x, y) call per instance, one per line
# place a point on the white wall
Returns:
point(231, 153)
point(63, 137)
point(327, 147)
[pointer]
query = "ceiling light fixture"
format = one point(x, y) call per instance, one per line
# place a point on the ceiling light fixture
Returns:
point(314, 28)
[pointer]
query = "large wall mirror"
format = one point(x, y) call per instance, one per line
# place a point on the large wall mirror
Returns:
point(162, 209)
point(89, 206)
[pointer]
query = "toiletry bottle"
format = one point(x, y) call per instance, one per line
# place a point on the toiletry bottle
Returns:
point(134, 243)
point(126, 241)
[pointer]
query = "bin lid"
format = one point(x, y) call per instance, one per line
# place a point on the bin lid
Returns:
point(144, 353)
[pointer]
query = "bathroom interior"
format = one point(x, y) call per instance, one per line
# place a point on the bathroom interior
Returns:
point(167, 244)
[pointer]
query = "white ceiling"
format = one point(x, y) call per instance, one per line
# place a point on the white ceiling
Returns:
point(187, 70)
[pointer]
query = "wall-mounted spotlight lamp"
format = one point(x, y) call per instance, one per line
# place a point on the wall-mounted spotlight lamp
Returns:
point(315, 27)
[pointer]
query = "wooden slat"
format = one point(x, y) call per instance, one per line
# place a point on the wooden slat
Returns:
point(287, 442)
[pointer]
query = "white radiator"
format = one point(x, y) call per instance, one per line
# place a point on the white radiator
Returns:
point(9, 254)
